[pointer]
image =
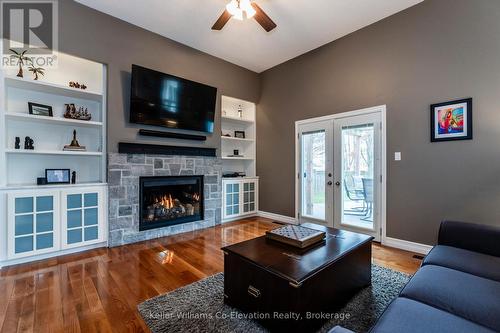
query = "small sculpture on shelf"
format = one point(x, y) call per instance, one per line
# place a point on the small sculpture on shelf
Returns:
point(29, 143)
point(240, 111)
point(77, 85)
point(74, 145)
point(72, 113)
point(17, 144)
point(21, 59)
point(36, 71)
point(73, 177)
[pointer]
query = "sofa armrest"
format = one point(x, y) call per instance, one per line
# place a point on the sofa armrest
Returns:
point(473, 237)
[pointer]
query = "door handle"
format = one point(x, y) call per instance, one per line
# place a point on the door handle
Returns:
point(330, 183)
point(337, 183)
point(252, 291)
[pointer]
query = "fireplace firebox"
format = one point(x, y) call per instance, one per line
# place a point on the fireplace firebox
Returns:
point(167, 201)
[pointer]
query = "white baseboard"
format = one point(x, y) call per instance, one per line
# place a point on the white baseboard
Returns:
point(11, 262)
point(278, 217)
point(407, 245)
point(240, 217)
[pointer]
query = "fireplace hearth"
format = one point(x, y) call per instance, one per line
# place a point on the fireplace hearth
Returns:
point(170, 200)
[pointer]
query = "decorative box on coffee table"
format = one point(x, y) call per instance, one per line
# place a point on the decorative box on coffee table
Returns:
point(281, 282)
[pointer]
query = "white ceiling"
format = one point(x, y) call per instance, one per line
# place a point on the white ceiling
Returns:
point(303, 25)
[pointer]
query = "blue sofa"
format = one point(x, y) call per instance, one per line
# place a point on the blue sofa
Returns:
point(457, 288)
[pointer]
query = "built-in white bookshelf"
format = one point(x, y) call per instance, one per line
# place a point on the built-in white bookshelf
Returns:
point(22, 167)
point(238, 115)
point(240, 195)
point(74, 215)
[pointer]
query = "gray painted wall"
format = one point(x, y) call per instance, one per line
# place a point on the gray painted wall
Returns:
point(437, 51)
point(90, 34)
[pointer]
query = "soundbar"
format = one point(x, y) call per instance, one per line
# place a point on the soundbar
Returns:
point(170, 135)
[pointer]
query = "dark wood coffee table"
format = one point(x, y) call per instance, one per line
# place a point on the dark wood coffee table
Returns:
point(280, 283)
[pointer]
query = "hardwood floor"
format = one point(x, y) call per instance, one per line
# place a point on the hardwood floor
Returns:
point(99, 290)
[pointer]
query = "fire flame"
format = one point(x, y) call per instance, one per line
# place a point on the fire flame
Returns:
point(166, 201)
point(196, 197)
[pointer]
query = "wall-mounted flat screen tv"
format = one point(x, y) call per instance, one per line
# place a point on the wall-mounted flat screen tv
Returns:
point(160, 99)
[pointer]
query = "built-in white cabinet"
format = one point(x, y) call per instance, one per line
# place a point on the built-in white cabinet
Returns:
point(238, 150)
point(240, 197)
point(42, 221)
point(37, 222)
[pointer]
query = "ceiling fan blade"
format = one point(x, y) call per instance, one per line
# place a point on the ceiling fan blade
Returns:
point(262, 18)
point(222, 20)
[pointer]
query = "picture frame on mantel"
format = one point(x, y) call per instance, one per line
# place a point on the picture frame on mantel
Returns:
point(451, 121)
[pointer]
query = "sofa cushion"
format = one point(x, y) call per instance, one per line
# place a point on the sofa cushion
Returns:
point(464, 260)
point(409, 316)
point(474, 298)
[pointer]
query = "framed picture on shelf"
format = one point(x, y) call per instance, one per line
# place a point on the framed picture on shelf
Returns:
point(451, 121)
point(239, 134)
point(40, 109)
point(57, 176)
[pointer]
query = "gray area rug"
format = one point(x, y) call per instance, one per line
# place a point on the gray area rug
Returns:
point(199, 307)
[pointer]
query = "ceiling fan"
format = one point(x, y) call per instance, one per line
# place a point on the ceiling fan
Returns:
point(244, 8)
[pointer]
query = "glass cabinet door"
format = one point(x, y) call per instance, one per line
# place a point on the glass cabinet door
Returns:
point(81, 218)
point(232, 199)
point(249, 204)
point(32, 223)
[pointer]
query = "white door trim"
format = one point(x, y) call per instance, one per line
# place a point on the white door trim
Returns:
point(383, 200)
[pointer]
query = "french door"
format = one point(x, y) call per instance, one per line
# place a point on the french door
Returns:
point(339, 177)
point(316, 172)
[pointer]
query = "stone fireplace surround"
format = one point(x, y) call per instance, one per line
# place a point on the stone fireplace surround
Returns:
point(124, 171)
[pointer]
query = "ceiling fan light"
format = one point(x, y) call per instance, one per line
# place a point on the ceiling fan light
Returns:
point(238, 15)
point(247, 7)
point(232, 7)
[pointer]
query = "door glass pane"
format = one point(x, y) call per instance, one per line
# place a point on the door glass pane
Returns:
point(44, 241)
point(23, 244)
point(90, 200)
point(358, 175)
point(91, 233)
point(90, 216)
point(74, 236)
point(74, 201)
point(44, 222)
point(313, 174)
point(24, 205)
point(24, 225)
point(74, 218)
point(44, 204)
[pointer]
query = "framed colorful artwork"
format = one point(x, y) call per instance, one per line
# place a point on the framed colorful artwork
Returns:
point(451, 121)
